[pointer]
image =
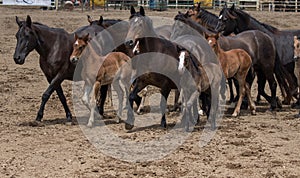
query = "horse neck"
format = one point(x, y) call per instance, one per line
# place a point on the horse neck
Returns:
point(208, 19)
point(255, 25)
point(48, 38)
point(219, 51)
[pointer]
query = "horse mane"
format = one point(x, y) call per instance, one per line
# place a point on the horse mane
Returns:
point(207, 17)
point(183, 18)
point(246, 17)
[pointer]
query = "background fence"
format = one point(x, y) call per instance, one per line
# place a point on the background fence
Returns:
point(262, 5)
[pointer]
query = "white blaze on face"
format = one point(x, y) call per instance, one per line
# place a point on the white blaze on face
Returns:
point(220, 17)
point(76, 42)
point(136, 19)
point(136, 48)
point(209, 41)
point(181, 61)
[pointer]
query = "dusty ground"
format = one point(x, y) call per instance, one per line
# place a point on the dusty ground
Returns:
point(264, 145)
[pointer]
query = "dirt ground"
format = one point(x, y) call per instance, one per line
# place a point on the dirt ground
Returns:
point(265, 145)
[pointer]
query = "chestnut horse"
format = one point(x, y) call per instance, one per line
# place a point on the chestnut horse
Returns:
point(235, 63)
point(100, 70)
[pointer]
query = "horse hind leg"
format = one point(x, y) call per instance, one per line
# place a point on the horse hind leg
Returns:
point(163, 106)
point(120, 93)
point(63, 100)
point(250, 101)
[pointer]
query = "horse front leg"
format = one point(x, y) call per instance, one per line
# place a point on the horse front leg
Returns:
point(93, 103)
point(45, 98)
point(163, 105)
point(120, 93)
point(63, 100)
point(133, 96)
point(86, 95)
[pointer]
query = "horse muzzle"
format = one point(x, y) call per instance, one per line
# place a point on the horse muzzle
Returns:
point(129, 43)
point(19, 60)
point(74, 60)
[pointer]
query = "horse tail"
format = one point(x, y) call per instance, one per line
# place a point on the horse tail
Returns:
point(284, 78)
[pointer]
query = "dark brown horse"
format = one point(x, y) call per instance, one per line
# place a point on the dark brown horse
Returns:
point(232, 20)
point(54, 46)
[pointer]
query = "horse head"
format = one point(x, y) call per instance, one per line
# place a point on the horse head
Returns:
point(139, 26)
point(227, 20)
point(232, 20)
point(79, 46)
point(27, 40)
point(212, 40)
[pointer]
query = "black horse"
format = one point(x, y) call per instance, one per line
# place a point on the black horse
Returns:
point(54, 46)
point(232, 20)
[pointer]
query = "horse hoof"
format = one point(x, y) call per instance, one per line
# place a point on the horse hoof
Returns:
point(234, 115)
point(128, 126)
point(253, 112)
point(90, 125)
point(295, 105)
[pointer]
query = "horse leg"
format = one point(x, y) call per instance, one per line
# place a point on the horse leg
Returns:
point(86, 96)
point(63, 100)
point(176, 101)
point(237, 87)
point(261, 81)
point(120, 93)
point(93, 103)
point(101, 99)
point(272, 84)
point(142, 104)
point(189, 104)
point(45, 98)
point(250, 101)
point(241, 79)
point(230, 90)
point(137, 87)
point(163, 105)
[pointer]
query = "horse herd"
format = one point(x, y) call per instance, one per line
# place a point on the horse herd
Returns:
point(194, 56)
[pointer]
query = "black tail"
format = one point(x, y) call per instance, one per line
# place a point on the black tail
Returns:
point(284, 78)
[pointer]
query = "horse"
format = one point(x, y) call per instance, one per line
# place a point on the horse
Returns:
point(232, 20)
point(142, 34)
point(262, 51)
point(198, 49)
point(100, 70)
point(235, 63)
point(54, 45)
point(78, 47)
point(197, 78)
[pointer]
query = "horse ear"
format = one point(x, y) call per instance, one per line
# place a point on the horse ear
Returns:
point(75, 36)
point(100, 20)
point(18, 21)
point(132, 10)
point(86, 38)
point(89, 18)
point(179, 12)
point(198, 5)
point(142, 11)
point(28, 21)
point(225, 4)
point(217, 36)
point(232, 7)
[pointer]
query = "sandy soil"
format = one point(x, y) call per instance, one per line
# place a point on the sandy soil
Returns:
point(265, 145)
